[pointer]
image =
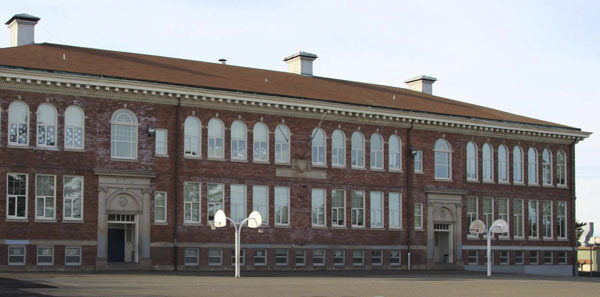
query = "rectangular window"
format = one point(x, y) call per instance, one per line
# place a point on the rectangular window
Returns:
point(358, 209)
point(260, 202)
point(191, 202)
point(473, 257)
point(376, 209)
point(16, 255)
point(503, 212)
point(215, 257)
point(191, 256)
point(160, 142)
point(338, 208)
point(533, 257)
point(242, 257)
point(45, 196)
point(214, 200)
point(395, 257)
point(45, 256)
point(503, 257)
point(339, 257)
point(260, 257)
point(472, 211)
point(73, 197)
point(532, 218)
point(519, 257)
point(318, 207)
point(281, 257)
point(72, 256)
point(561, 219)
point(518, 218)
point(238, 202)
point(547, 219)
point(488, 211)
point(562, 257)
point(16, 200)
point(358, 257)
point(418, 216)
point(282, 206)
point(377, 257)
point(300, 257)
point(160, 207)
point(548, 257)
point(318, 257)
point(418, 161)
point(395, 210)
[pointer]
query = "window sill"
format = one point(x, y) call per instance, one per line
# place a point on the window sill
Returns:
point(216, 159)
point(447, 180)
point(192, 157)
point(533, 185)
point(472, 180)
point(319, 166)
point(518, 184)
point(489, 182)
point(69, 221)
point(261, 162)
point(17, 220)
point(533, 239)
point(18, 146)
point(359, 227)
point(161, 223)
point(503, 183)
point(239, 160)
point(46, 148)
point(562, 239)
point(377, 228)
point(123, 160)
point(192, 224)
point(395, 229)
point(377, 169)
point(39, 220)
point(283, 226)
point(161, 156)
point(321, 227)
point(419, 172)
point(548, 186)
point(518, 238)
point(358, 168)
point(395, 170)
point(473, 237)
point(74, 150)
point(338, 226)
point(548, 239)
point(283, 163)
point(420, 230)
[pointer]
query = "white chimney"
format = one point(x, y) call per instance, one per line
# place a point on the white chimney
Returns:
point(22, 29)
point(421, 83)
point(301, 63)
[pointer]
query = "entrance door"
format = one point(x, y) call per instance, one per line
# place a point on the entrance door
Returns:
point(116, 245)
point(441, 251)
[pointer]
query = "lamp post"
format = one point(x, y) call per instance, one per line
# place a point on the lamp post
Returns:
point(499, 226)
point(254, 220)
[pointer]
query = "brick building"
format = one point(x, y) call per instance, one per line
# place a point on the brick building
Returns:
point(114, 159)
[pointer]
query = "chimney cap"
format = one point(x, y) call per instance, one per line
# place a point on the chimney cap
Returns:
point(421, 77)
point(302, 54)
point(24, 17)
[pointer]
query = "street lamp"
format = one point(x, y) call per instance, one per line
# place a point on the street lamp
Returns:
point(499, 226)
point(254, 221)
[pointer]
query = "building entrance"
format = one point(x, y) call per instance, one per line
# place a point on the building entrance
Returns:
point(441, 251)
point(122, 234)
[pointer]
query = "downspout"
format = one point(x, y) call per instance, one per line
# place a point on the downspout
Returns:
point(572, 206)
point(176, 185)
point(408, 195)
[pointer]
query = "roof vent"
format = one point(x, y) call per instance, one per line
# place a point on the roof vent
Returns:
point(223, 61)
point(423, 84)
point(22, 29)
point(301, 63)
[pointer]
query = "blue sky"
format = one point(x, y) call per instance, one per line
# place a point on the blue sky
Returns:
point(535, 58)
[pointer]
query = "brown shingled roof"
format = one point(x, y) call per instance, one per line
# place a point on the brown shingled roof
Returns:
point(46, 56)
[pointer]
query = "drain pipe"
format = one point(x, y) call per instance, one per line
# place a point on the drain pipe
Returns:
point(176, 185)
point(408, 195)
point(572, 206)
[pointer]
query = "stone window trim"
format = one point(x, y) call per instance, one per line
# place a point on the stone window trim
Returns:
point(74, 124)
point(47, 126)
point(44, 197)
point(124, 120)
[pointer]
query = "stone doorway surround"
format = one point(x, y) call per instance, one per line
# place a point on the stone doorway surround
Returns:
point(124, 192)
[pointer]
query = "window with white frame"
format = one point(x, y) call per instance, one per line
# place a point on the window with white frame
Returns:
point(472, 211)
point(45, 256)
point(45, 197)
point(561, 168)
point(216, 139)
point(548, 257)
point(238, 202)
point(395, 210)
point(518, 221)
point(46, 125)
point(518, 165)
point(191, 202)
point(318, 207)
point(238, 140)
point(358, 257)
point(358, 150)
point(160, 207)
point(534, 257)
point(376, 257)
point(488, 162)
point(504, 257)
point(338, 148)
point(72, 256)
point(214, 200)
point(376, 209)
point(74, 127)
point(395, 153)
point(16, 255)
point(260, 202)
point(124, 136)
point(160, 142)
point(395, 257)
point(471, 161)
point(318, 146)
point(282, 206)
point(503, 212)
point(260, 135)
point(282, 144)
point(260, 257)
point(338, 208)
point(547, 219)
point(487, 209)
point(562, 257)
point(300, 257)
point(339, 257)
point(16, 201)
point(561, 219)
point(242, 257)
point(215, 257)
point(546, 167)
point(376, 151)
point(532, 218)
point(532, 170)
point(502, 164)
point(473, 258)
point(72, 197)
point(281, 257)
point(18, 123)
point(318, 257)
point(358, 209)
point(193, 137)
point(418, 216)
point(418, 161)
point(519, 257)
point(442, 156)
point(191, 256)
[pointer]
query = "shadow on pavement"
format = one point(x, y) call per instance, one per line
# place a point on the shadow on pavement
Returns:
point(12, 287)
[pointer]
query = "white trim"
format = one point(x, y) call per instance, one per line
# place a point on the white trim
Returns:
point(363, 209)
point(267, 133)
point(216, 154)
point(65, 218)
point(73, 147)
point(265, 256)
point(245, 140)
point(24, 247)
point(381, 209)
point(191, 220)
point(335, 225)
point(166, 143)
point(164, 207)
point(37, 131)
point(80, 256)
point(390, 226)
point(265, 217)
point(44, 217)
point(28, 113)
point(38, 255)
point(135, 139)
point(287, 204)
point(312, 208)
point(16, 217)
point(197, 256)
point(208, 256)
point(324, 147)
point(222, 186)
point(475, 159)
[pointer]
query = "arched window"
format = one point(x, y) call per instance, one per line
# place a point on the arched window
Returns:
point(282, 144)
point(546, 167)
point(123, 135)
point(46, 125)
point(18, 123)
point(395, 153)
point(532, 170)
point(442, 156)
point(502, 164)
point(193, 137)
point(318, 147)
point(216, 136)
point(376, 151)
point(238, 140)
point(488, 163)
point(358, 149)
point(471, 161)
point(74, 127)
point(261, 142)
point(338, 148)
point(518, 165)
point(561, 168)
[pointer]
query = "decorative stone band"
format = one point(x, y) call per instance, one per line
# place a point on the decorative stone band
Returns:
point(519, 248)
point(47, 242)
point(288, 246)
